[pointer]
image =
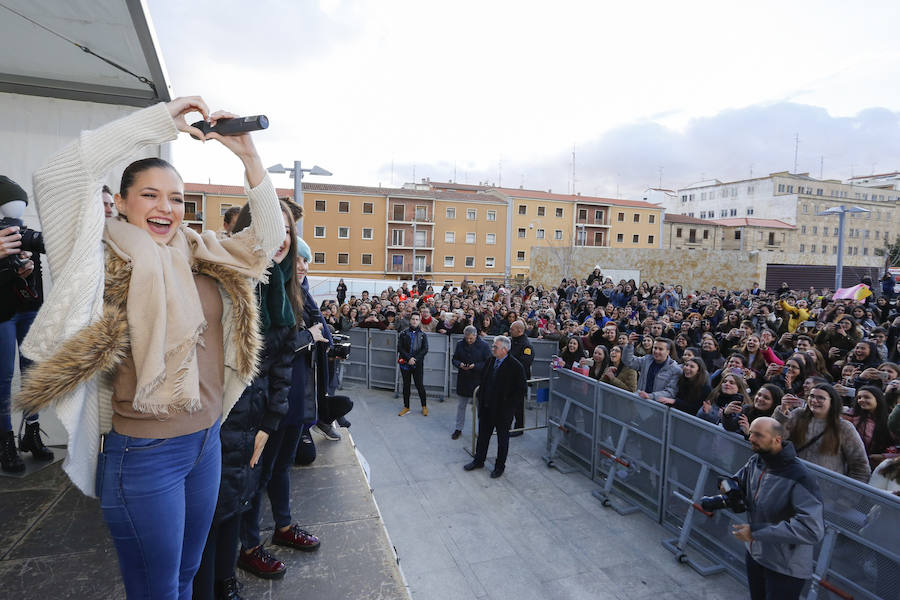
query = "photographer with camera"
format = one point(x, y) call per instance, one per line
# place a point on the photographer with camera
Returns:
point(784, 509)
point(21, 296)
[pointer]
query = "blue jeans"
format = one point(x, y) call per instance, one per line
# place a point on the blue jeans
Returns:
point(277, 460)
point(12, 332)
point(158, 498)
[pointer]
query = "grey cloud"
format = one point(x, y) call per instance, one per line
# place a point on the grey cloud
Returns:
point(724, 146)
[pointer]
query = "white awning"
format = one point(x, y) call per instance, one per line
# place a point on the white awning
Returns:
point(40, 53)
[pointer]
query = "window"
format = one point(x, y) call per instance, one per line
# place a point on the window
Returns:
point(399, 212)
point(815, 229)
point(834, 249)
point(652, 219)
point(490, 239)
point(343, 233)
point(470, 262)
point(421, 213)
point(723, 212)
point(678, 232)
point(706, 234)
point(367, 259)
point(559, 213)
point(803, 229)
point(749, 211)
point(319, 258)
point(802, 248)
point(396, 237)
point(470, 238)
point(819, 192)
point(635, 239)
point(488, 262)
point(449, 237)
point(541, 211)
point(737, 234)
point(343, 258)
point(790, 189)
point(320, 206)
point(449, 261)
point(865, 251)
point(492, 215)
point(650, 239)
point(781, 189)
point(540, 234)
point(771, 238)
point(368, 208)
point(421, 239)
point(471, 214)
point(620, 217)
point(367, 233)
point(557, 234)
point(732, 212)
point(319, 231)
point(582, 214)
point(343, 206)
point(520, 255)
point(620, 238)
point(636, 218)
point(451, 212)
point(523, 209)
point(223, 208)
point(520, 232)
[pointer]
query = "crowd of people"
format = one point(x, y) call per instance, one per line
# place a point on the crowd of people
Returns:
point(827, 369)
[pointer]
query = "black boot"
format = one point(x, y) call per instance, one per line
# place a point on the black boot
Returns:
point(228, 589)
point(10, 460)
point(32, 442)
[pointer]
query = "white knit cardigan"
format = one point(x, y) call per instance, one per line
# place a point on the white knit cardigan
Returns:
point(72, 220)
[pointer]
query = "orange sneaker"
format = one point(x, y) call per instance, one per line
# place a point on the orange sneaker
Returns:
point(403, 412)
point(424, 411)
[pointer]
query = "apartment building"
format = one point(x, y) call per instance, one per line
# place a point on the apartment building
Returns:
point(681, 232)
point(755, 235)
point(470, 238)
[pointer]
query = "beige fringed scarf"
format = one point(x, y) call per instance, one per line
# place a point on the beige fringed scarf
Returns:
point(165, 318)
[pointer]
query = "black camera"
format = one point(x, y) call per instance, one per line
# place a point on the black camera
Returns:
point(731, 497)
point(341, 346)
point(32, 241)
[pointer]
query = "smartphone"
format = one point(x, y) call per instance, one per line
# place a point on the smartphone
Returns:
point(736, 371)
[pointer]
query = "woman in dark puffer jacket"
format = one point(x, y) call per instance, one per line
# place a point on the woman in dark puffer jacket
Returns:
point(256, 416)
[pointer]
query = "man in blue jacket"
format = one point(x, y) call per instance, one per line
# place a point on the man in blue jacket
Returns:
point(469, 357)
point(785, 514)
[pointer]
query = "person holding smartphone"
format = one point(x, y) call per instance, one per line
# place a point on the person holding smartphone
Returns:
point(469, 357)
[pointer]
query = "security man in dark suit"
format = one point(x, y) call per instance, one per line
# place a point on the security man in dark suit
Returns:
point(502, 388)
point(522, 351)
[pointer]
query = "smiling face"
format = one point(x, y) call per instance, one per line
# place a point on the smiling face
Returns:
point(866, 400)
point(763, 399)
point(819, 403)
point(752, 343)
point(154, 202)
point(690, 369)
point(303, 269)
point(729, 385)
point(615, 354)
point(572, 346)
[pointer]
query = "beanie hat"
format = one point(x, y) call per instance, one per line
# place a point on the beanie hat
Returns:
point(303, 249)
point(10, 191)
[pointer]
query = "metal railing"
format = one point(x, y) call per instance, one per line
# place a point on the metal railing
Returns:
point(650, 458)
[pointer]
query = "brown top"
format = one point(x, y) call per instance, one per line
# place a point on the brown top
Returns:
point(210, 361)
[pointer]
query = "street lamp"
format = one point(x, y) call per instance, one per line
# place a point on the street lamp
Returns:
point(298, 182)
point(841, 211)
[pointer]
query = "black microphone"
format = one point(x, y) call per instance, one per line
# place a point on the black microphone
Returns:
point(235, 126)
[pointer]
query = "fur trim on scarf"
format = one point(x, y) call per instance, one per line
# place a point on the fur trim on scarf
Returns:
point(103, 345)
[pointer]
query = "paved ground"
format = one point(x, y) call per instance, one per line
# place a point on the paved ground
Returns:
point(533, 533)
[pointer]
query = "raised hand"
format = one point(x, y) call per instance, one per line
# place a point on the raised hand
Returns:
point(179, 107)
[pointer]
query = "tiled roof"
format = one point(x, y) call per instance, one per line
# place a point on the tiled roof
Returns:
point(672, 218)
point(745, 222)
point(236, 190)
point(539, 195)
point(874, 176)
point(461, 187)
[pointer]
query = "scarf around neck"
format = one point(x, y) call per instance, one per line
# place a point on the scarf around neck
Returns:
point(275, 308)
point(165, 318)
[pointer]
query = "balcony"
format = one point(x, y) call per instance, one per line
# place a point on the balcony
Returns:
point(417, 222)
point(589, 222)
point(406, 267)
point(408, 247)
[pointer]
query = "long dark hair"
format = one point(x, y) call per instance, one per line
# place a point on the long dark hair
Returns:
point(292, 286)
point(138, 167)
point(690, 387)
point(881, 437)
point(831, 440)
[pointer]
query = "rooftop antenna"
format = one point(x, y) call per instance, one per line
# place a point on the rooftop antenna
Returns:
point(796, 149)
point(454, 170)
point(821, 166)
point(660, 177)
point(500, 172)
point(751, 170)
point(392, 172)
point(573, 169)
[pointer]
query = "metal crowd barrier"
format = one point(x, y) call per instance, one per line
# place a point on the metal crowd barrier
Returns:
point(356, 366)
point(661, 461)
point(630, 440)
point(384, 372)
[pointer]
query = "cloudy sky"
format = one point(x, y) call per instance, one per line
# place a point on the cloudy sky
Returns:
point(645, 93)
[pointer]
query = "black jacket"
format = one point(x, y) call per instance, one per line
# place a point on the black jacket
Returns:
point(405, 349)
point(521, 349)
point(309, 368)
point(19, 294)
point(503, 391)
point(261, 406)
point(478, 353)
